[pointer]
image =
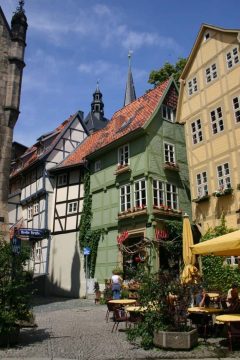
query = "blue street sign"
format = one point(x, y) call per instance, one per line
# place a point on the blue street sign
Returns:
point(37, 233)
point(86, 251)
point(16, 245)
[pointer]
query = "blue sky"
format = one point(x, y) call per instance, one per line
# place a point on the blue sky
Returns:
point(73, 43)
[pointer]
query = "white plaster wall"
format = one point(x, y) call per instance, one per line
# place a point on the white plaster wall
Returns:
point(66, 274)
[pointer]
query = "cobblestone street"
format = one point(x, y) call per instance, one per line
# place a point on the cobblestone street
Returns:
point(76, 329)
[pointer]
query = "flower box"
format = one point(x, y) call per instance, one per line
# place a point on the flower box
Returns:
point(201, 199)
point(132, 213)
point(222, 192)
point(166, 210)
point(122, 168)
point(171, 166)
point(184, 340)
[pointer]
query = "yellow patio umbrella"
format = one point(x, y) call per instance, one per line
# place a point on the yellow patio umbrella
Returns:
point(190, 273)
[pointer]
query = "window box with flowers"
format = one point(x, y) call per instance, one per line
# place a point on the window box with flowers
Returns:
point(122, 168)
point(135, 211)
point(222, 192)
point(203, 198)
point(171, 166)
point(163, 209)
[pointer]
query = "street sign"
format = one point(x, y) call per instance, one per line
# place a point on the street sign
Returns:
point(35, 233)
point(16, 245)
point(86, 251)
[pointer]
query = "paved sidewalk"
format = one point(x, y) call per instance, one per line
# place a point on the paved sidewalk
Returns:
point(76, 329)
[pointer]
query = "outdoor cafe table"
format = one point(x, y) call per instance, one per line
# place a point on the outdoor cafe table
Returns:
point(226, 318)
point(204, 310)
point(122, 301)
point(136, 308)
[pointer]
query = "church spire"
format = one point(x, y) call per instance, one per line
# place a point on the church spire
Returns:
point(97, 105)
point(130, 94)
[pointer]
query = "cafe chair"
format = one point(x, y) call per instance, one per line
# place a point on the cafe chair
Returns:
point(110, 308)
point(134, 318)
point(119, 315)
point(233, 331)
point(203, 323)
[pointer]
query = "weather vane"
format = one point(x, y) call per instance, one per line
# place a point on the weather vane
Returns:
point(20, 6)
point(130, 52)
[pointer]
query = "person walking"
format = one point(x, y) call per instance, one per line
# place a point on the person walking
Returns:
point(116, 285)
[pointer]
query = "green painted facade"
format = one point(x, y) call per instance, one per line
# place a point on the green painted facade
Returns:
point(146, 160)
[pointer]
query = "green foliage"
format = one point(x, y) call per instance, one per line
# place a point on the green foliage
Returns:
point(15, 294)
point(160, 314)
point(88, 237)
point(216, 275)
point(174, 244)
point(158, 76)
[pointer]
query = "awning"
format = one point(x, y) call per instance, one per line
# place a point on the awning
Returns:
point(225, 245)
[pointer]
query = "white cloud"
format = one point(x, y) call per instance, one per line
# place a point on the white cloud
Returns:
point(102, 10)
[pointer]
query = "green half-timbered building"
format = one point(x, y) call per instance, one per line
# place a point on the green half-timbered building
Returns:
point(138, 180)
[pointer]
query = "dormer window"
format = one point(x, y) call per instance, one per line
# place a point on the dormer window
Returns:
point(168, 113)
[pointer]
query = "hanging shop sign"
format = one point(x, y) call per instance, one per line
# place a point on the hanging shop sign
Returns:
point(161, 234)
point(122, 237)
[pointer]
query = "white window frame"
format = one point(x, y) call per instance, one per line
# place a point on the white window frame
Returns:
point(97, 165)
point(62, 179)
point(125, 197)
point(168, 113)
point(123, 155)
point(35, 207)
point(197, 134)
point(236, 108)
point(171, 196)
point(169, 153)
point(223, 176)
point(202, 184)
point(192, 86)
point(232, 57)
point(30, 212)
point(217, 123)
point(211, 73)
point(38, 250)
point(158, 192)
point(140, 193)
point(72, 207)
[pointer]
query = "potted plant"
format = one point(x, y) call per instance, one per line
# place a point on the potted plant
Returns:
point(15, 292)
point(97, 292)
point(164, 323)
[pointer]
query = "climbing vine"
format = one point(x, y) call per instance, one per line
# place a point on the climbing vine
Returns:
point(216, 275)
point(88, 237)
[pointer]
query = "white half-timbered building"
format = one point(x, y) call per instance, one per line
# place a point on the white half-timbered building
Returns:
point(46, 202)
point(31, 199)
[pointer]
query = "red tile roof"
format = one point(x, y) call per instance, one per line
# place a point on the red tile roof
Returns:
point(124, 121)
point(31, 155)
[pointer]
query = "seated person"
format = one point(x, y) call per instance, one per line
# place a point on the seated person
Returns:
point(232, 294)
point(202, 298)
point(234, 302)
